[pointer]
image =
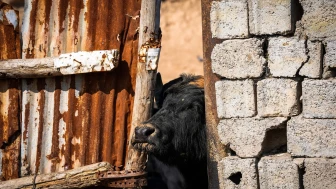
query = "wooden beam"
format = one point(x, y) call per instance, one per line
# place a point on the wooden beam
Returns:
point(149, 37)
point(76, 178)
point(65, 64)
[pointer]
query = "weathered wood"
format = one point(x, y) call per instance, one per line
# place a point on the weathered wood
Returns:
point(149, 36)
point(66, 64)
point(76, 178)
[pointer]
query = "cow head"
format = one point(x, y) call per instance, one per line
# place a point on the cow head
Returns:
point(177, 129)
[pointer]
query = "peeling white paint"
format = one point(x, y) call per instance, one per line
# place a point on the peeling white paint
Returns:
point(25, 101)
point(9, 16)
point(152, 58)
point(29, 145)
point(25, 28)
point(48, 119)
point(61, 144)
point(84, 62)
point(12, 17)
point(65, 86)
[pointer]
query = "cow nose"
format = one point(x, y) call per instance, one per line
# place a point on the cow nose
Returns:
point(143, 132)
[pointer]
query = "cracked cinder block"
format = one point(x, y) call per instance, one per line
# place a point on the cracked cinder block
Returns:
point(319, 98)
point(319, 173)
point(311, 137)
point(238, 58)
point(318, 20)
point(286, 56)
point(278, 172)
point(228, 19)
point(235, 98)
point(238, 173)
point(277, 97)
point(312, 68)
point(247, 135)
point(330, 56)
point(270, 17)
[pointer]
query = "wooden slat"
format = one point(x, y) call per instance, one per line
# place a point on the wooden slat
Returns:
point(76, 178)
point(66, 64)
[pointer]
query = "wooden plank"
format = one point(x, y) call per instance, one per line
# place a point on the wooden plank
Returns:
point(149, 37)
point(76, 178)
point(66, 64)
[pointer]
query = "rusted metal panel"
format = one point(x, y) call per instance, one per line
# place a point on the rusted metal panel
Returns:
point(71, 121)
point(216, 151)
point(9, 95)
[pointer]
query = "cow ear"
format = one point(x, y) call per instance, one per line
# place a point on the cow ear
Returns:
point(158, 89)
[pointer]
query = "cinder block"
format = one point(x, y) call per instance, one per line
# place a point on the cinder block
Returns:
point(238, 58)
point(319, 98)
point(312, 68)
point(286, 56)
point(278, 172)
point(238, 173)
point(319, 173)
point(246, 136)
point(228, 19)
point(235, 98)
point(318, 20)
point(330, 56)
point(277, 97)
point(311, 137)
point(270, 17)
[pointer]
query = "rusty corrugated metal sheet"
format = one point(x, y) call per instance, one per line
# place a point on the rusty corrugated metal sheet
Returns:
point(71, 121)
point(9, 95)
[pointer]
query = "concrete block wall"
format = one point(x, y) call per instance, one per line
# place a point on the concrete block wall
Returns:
point(276, 94)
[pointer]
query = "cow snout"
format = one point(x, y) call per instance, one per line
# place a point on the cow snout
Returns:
point(142, 133)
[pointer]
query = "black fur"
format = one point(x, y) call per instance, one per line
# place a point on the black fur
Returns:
point(175, 134)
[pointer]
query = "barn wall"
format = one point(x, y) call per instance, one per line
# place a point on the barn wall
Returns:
point(271, 89)
point(70, 121)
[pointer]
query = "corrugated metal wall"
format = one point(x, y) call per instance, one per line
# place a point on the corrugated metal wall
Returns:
point(9, 96)
point(71, 121)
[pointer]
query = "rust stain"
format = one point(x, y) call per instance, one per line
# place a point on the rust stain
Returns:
point(9, 102)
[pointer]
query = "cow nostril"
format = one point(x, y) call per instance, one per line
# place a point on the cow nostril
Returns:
point(148, 131)
point(144, 131)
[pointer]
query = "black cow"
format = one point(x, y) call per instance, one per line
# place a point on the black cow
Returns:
point(175, 136)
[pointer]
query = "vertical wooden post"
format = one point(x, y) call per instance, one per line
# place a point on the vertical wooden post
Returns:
point(149, 31)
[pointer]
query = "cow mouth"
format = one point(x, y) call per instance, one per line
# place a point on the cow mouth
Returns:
point(143, 146)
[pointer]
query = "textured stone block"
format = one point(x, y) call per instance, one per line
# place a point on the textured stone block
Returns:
point(311, 137)
point(235, 98)
point(286, 56)
point(247, 135)
point(228, 19)
point(319, 19)
point(238, 173)
point(312, 68)
point(319, 173)
point(277, 97)
point(278, 172)
point(238, 58)
point(270, 17)
point(330, 56)
point(319, 98)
